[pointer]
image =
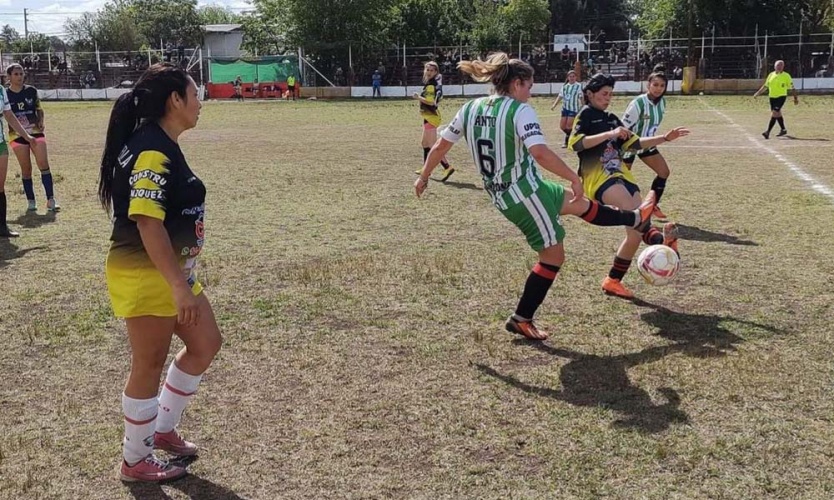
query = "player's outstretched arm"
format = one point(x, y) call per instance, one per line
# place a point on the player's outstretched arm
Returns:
point(437, 153)
point(675, 133)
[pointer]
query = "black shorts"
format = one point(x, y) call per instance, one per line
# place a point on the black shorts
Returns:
point(628, 158)
point(24, 142)
point(776, 103)
point(631, 188)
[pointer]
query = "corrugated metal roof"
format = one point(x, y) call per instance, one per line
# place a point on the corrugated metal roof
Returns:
point(222, 28)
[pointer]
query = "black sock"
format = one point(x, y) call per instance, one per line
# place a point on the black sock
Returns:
point(425, 154)
point(605, 215)
point(535, 289)
point(2, 209)
point(567, 136)
point(781, 122)
point(444, 163)
point(772, 123)
point(653, 237)
point(658, 185)
point(619, 269)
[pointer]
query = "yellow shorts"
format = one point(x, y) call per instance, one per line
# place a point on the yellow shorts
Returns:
point(141, 292)
point(431, 119)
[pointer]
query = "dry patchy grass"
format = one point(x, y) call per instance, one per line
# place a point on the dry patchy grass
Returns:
point(365, 355)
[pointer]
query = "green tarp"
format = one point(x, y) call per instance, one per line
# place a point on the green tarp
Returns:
point(264, 69)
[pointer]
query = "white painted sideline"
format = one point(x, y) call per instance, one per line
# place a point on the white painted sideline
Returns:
point(805, 176)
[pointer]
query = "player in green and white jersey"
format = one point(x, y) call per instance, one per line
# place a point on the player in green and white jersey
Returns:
point(508, 146)
point(643, 116)
point(571, 98)
point(5, 232)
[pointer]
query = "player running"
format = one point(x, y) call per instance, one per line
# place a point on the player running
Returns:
point(429, 103)
point(507, 145)
point(643, 116)
point(571, 98)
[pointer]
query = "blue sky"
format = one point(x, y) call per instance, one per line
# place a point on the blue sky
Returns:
point(48, 16)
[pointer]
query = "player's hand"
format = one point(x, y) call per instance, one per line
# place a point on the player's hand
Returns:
point(675, 133)
point(795, 101)
point(41, 127)
point(188, 306)
point(420, 186)
point(28, 138)
point(415, 95)
point(620, 133)
point(578, 190)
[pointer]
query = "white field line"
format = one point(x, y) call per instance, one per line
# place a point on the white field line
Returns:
point(796, 169)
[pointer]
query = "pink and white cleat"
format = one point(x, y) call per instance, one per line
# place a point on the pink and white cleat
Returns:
point(174, 444)
point(150, 470)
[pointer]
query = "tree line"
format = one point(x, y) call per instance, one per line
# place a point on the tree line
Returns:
point(275, 26)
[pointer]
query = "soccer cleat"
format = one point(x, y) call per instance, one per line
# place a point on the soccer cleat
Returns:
point(782, 132)
point(5, 232)
point(645, 211)
point(447, 172)
point(174, 444)
point(525, 328)
point(615, 287)
point(670, 236)
point(418, 171)
point(33, 206)
point(766, 135)
point(52, 205)
point(150, 470)
point(658, 214)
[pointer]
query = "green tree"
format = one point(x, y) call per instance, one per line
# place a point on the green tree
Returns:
point(526, 18)
point(217, 14)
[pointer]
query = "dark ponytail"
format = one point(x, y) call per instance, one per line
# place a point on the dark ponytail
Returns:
point(145, 103)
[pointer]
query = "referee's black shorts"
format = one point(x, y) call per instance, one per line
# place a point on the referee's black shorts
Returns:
point(776, 103)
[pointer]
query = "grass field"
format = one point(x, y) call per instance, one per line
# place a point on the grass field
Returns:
point(364, 352)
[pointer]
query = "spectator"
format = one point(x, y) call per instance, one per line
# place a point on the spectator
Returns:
point(377, 84)
point(339, 77)
point(565, 53)
point(573, 54)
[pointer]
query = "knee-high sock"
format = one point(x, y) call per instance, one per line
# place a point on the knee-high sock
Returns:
point(658, 185)
point(771, 124)
point(178, 390)
point(535, 290)
point(140, 422)
point(46, 180)
point(606, 215)
point(2, 209)
point(619, 269)
point(653, 237)
point(29, 189)
point(781, 121)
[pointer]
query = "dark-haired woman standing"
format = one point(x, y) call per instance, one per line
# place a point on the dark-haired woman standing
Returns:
point(157, 204)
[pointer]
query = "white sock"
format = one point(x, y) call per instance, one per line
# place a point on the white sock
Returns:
point(178, 390)
point(140, 422)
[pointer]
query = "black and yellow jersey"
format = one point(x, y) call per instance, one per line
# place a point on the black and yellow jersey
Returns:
point(154, 180)
point(25, 106)
point(603, 161)
point(429, 112)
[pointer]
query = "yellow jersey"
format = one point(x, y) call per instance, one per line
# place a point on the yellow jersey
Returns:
point(778, 84)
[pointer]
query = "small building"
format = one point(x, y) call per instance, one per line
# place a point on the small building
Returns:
point(223, 40)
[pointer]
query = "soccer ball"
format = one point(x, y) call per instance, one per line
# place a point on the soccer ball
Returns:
point(658, 264)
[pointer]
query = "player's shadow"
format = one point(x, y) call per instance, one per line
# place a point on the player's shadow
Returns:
point(191, 486)
point(10, 251)
point(602, 381)
point(31, 220)
point(697, 234)
point(815, 139)
point(463, 185)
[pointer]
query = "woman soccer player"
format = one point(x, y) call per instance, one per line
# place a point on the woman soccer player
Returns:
point(643, 116)
point(571, 98)
point(27, 108)
point(600, 139)
point(157, 203)
point(507, 145)
point(429, 102)
point(14, 124)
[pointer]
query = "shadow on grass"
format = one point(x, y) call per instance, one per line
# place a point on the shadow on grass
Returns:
point(462, 185)
point(697, 234)
point(10, 251)
point(31, 220)
point(192, 486)
point(792, 138)
point(602, 381)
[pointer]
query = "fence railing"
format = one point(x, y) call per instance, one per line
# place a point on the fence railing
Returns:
point(805, 55)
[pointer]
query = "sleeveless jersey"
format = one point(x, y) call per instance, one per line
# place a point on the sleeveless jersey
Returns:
point(499, 131)
point(571, 95)
point(643, 117)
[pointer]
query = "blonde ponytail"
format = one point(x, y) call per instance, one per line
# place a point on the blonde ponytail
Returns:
point(498, 69)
